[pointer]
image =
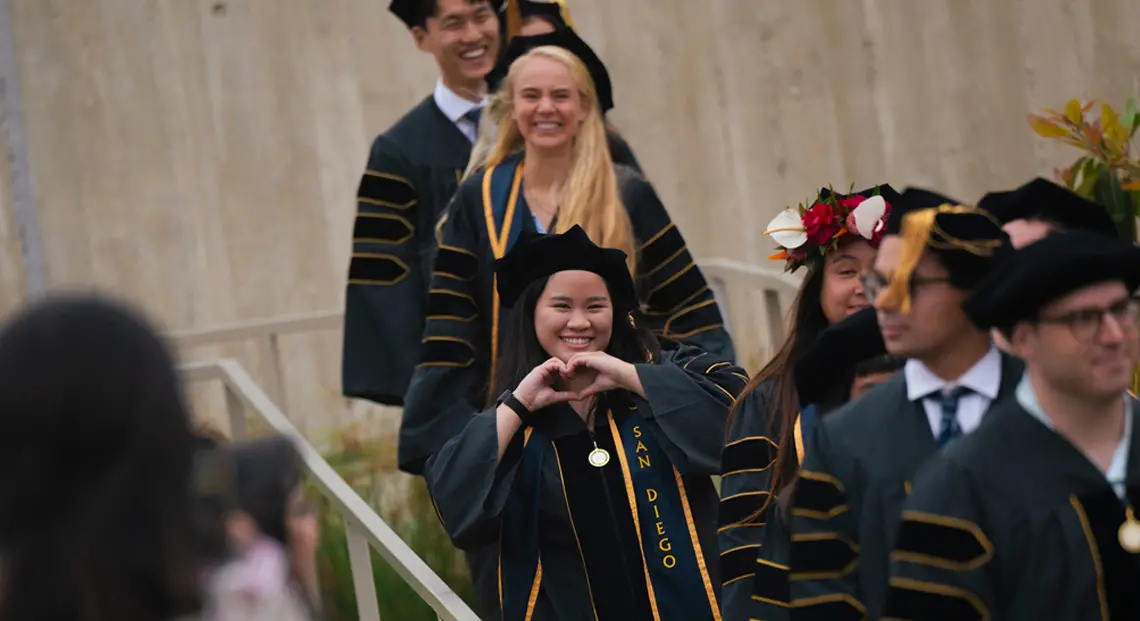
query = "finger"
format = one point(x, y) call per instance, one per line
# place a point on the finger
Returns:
point(560, 396)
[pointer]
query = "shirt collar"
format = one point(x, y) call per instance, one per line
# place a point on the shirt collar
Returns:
point(984, 378)
point(452, 105)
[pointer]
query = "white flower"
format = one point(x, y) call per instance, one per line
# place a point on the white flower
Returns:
point(787, 228)
point(868, 216)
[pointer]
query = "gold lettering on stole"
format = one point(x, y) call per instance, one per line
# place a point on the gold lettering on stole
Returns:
point(669, 561)
point(642, 460)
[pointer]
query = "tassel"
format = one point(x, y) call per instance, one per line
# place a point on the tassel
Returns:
point(514, 20)
point(915, 233)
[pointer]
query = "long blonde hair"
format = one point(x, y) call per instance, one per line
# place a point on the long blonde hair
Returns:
point(590, 196)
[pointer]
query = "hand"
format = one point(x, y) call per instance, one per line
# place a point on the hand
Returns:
point(537, 391)
point(609, 373)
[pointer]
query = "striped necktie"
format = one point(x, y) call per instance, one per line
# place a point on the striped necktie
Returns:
point(948, 404)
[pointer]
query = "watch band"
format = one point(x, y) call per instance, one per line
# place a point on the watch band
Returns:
point(525, 415)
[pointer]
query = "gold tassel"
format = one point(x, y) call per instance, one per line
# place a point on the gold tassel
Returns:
point(1136, 382)
point(514, 20)
point(915, 233)
point(919, 230)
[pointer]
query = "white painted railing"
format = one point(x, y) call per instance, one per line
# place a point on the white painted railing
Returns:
point(363, 526)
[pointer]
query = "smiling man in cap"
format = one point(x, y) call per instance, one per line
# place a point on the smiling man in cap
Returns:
point(413, 169)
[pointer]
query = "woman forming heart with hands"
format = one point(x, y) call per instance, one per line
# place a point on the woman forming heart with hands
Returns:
point(593, 463)
point(576, 380)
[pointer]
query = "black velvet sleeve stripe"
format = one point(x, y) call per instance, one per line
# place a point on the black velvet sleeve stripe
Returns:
point(943, 542)
point(770, 584)
point(738, 563)
point(830, 607)
point(662, 248)
point(440, 351)
point(672, 293)
point(387, 190)
point(694, 319)
point(740, 507)
point(376, 269)
point(457, 263)
point(823, 556)
point(447, 304)
point(382, 228)
point(915, 600)
point(753, 454)
point(819, 496)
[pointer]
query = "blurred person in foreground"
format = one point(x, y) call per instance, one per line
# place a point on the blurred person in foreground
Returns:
point(97, 519)
point(271, 530)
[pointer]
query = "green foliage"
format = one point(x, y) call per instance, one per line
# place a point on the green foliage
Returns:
point(1108, 172)
point(367, 465)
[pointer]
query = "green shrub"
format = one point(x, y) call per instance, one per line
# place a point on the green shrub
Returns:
point(368, 467)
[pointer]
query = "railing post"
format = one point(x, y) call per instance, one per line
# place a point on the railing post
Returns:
point(235, 409)
point(269, 350)
point(360, 560)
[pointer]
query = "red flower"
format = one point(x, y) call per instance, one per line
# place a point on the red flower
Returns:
point(851, 202)
point(820, 223)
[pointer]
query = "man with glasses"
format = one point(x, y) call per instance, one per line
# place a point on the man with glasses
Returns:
point(859, 460)
point(1033, 515)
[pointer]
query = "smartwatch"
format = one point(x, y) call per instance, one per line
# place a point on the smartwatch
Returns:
point(508, 399)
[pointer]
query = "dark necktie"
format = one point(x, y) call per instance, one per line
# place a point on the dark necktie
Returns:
point(473, 115)
point(948, 405)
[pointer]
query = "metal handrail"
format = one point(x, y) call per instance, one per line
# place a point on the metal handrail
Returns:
point(364, 528)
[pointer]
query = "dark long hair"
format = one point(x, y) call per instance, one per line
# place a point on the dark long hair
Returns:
point(96, 455)
point(808, 322)
point(631, 341)
point(266, 472)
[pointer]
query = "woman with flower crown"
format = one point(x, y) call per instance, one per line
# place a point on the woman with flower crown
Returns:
point(834, 239)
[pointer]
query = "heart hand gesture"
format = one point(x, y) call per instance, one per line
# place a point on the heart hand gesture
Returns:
point(537, 390)
point(609, 373)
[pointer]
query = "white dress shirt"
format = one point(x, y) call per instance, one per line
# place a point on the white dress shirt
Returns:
point(983, 379)
point(1118, 467)
point(454, 107)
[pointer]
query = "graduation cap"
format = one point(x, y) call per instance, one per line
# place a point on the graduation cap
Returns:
point(913, 199)
point(835, 355)
point(568, 40)
point(414, 12)
point(1042, 199)
point(1049, 269)
point(539, 256)
point(967, 240)
point(554, 11)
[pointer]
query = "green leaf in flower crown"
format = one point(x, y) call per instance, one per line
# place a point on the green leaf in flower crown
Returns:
point(1108, 192)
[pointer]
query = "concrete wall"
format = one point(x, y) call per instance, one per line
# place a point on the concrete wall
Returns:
point(201, 156)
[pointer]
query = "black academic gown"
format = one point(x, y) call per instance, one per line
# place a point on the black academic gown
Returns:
point(412, 172)
point(1014, 523)
point(588, 547)
point(751, 546)
point(857, 471)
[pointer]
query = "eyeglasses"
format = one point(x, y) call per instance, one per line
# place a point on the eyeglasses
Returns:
point(874, 284)
point(1086, 323)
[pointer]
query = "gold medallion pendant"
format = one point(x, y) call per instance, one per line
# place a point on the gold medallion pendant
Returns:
point(599, 457)
point(1129, 533)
